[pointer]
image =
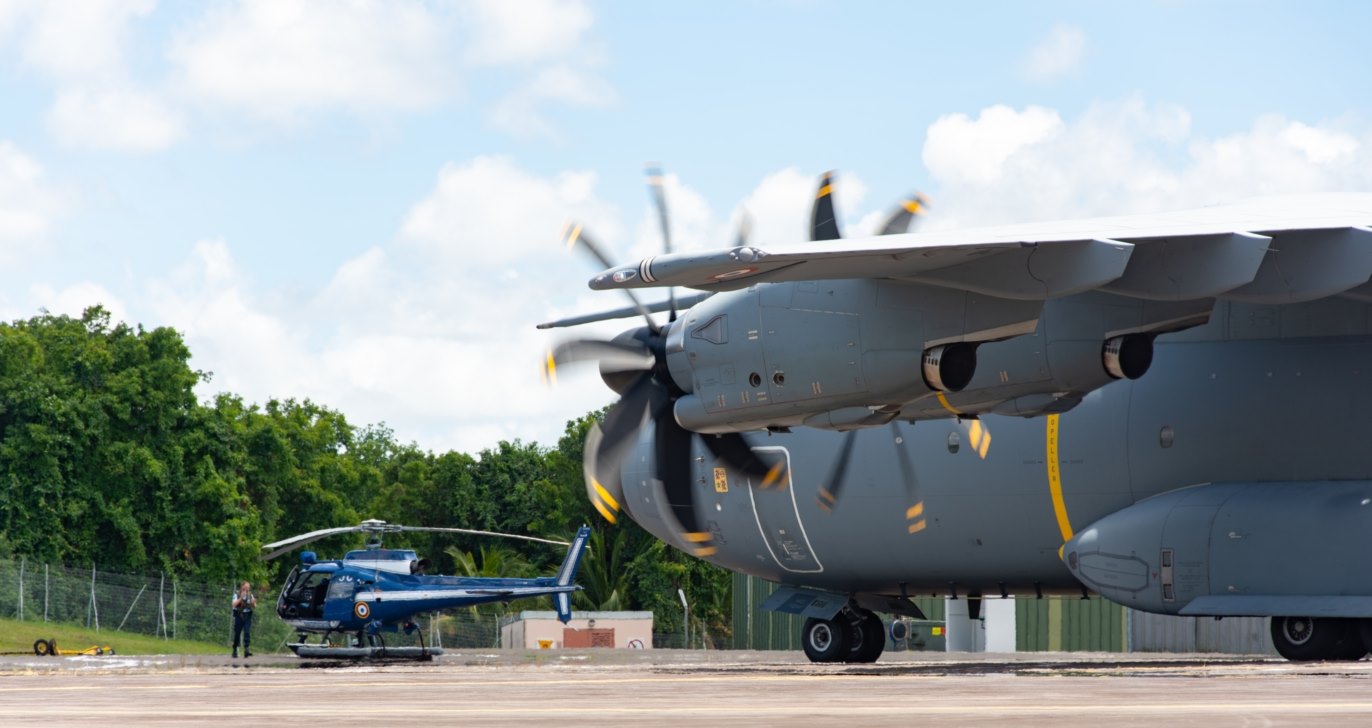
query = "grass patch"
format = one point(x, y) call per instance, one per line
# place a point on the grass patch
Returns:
point(17, 636)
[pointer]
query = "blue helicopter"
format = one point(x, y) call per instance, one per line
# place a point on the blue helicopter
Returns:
point(376, 591)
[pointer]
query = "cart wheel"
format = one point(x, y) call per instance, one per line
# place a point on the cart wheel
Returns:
point(99, 651)
point(110, 651)
point(42, 648)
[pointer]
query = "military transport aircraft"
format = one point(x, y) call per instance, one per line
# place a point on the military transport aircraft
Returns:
point(374, 591)
point(1180, 406)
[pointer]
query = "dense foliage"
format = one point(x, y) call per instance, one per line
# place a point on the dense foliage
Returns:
point(108, 458)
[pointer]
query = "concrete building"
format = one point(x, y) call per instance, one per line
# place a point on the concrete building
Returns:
point(541, 630)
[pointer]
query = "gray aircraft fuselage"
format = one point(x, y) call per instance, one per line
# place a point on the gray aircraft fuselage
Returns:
point(1258, 394)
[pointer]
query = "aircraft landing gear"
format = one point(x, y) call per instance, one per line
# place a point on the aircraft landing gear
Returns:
point(825, 640)
point(1304, 639)
point(853, 635)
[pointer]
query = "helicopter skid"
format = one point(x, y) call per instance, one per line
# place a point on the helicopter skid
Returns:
point(364, 653)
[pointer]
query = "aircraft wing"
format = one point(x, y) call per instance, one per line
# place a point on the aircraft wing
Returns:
point(1275, 250)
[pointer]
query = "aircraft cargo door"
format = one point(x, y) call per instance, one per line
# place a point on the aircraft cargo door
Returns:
point(778, 518)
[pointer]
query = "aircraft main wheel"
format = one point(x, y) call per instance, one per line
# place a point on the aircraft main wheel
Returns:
point(1303, 639)
point(867, 639)
point(825, 640)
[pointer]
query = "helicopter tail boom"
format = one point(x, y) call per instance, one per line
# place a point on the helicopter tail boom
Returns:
point(567, 573)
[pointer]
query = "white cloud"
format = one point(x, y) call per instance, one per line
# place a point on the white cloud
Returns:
point(26, 204)
point(1127, 156)
point(75, 39)
point(520, 112)
point(114, 119)
point(526, 31)
point(490, 210)
point(279, 59)
point(1057, 55)
point(961, 150)
point(76, 298)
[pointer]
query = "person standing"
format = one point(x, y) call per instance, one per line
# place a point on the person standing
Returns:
point(243, 603)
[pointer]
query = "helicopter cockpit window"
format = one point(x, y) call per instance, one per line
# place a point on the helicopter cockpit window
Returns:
point(339, 589)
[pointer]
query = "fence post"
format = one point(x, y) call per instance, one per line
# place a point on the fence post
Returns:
point(45, 592)
point(95, 606)
point(21, 588)
point(162, 604)
point(173, 609)
point(131, 606)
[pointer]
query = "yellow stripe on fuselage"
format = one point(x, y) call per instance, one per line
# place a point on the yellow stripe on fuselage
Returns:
point(1055, 479)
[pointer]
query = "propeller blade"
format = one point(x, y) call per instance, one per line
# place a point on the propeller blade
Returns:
point(673, 452)
point(915, 513)
point(277, 548)
point(905, 213)
point(745, 229)
point(474, 532)
point(823, 223)
point(659, 194)
point(828, 492)
point(608, 443)
point(735, 451)
point(573, 234)
point(613, 356)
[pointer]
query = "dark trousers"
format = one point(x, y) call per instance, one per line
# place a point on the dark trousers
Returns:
point(242, 626)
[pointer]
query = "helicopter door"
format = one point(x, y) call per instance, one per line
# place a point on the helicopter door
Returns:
point(339, 602)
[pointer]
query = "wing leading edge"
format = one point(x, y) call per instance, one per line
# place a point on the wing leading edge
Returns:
point(1269, 251)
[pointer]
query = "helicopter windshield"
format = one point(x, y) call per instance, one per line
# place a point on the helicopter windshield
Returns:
point(304, 595)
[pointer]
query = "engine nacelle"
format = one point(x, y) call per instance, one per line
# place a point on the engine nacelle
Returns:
point(841, 354)
point(1235, 549)
point(949, 367)
point(1128, 356)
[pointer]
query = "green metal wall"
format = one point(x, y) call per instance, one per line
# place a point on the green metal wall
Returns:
point(1053, 624)
point(1069, 624)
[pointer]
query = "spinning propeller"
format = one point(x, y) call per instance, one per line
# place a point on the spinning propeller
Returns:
point(634, 364)
point(380, 527)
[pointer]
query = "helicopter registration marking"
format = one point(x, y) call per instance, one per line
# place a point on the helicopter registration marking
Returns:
point(721, 480)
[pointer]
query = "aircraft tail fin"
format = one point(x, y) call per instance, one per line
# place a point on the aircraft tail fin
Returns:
point(567, 573)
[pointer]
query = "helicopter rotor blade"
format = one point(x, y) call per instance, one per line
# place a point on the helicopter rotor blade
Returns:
point(277, 548)
point(475, 532)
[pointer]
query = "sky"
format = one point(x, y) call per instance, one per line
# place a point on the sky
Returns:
point(359, 202)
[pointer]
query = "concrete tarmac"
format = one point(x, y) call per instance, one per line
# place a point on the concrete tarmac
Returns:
point(604, 687)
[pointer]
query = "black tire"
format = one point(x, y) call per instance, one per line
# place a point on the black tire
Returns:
point(42, 648)
point(825, 640)
point(868, 638)
point(1305, 639)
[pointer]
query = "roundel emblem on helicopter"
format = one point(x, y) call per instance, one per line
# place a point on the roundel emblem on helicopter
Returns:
point(361, 610)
